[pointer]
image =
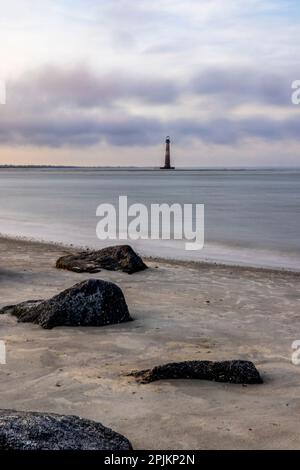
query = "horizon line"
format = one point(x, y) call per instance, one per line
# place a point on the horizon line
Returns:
point(119, 167)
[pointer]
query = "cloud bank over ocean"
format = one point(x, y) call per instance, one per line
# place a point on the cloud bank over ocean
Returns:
point(93, 77)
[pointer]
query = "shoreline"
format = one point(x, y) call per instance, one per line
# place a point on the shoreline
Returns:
point(159, 259)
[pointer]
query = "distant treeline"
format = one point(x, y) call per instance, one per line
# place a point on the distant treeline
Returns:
point(37, 166)
point(70, 167)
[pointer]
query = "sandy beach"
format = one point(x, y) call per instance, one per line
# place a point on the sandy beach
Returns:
point(182, 311)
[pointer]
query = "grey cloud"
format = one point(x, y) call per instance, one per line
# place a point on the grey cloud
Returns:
point(80, 131)
point(133, 131)
point(80, 87)
point(231, 131)
point(56, 107)
point(243, 85)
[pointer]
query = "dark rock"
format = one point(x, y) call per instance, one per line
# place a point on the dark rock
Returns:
point(39, 431)
point(89, 303)
point(114, 258)
point(238, 372)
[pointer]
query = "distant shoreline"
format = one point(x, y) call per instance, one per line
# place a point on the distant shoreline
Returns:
point(141, 168)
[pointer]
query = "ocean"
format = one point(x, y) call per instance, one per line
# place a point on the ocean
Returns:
point(252, 217)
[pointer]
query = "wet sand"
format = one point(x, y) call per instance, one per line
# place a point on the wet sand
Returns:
point(182, 311)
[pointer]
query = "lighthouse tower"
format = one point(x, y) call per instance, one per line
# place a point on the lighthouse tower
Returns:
point(168, 156)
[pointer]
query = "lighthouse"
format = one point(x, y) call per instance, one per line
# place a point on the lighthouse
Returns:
point(168, 156)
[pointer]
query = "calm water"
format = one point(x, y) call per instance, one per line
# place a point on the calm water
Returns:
point(251, 217)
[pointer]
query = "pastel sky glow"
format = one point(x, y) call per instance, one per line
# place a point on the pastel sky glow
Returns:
point(102, 82)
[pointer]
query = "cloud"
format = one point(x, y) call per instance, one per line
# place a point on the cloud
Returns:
point(244, 85)
point(234, 131)
point(125, 130)
point(124, 73)
point(81, 87)
point(59, 107)
point(63, 130)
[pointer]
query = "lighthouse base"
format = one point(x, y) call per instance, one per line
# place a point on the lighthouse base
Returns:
point(167, 168)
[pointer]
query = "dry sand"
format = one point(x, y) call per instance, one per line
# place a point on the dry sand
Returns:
point(182, 312)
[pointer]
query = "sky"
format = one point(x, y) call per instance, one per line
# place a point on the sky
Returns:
point(102, 82)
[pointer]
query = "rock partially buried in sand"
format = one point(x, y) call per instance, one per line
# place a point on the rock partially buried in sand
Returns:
point(89, 303)
point(238, 372)
point(38, 431)
point(114, 258)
